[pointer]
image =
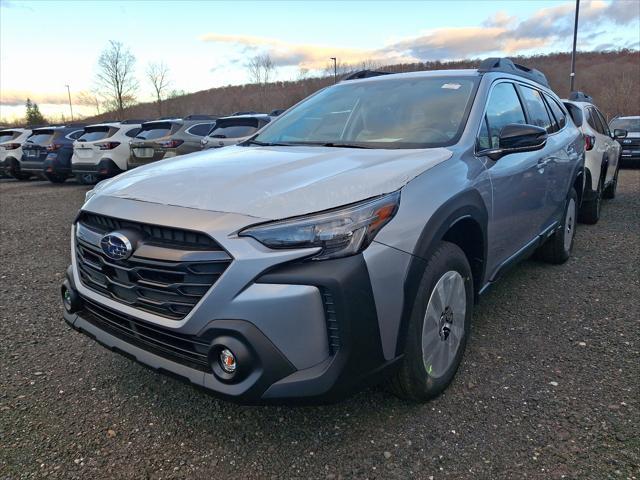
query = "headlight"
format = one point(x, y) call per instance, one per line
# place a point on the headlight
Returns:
point(341, 232)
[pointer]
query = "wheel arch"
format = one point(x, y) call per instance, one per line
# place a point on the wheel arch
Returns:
point(462, 221)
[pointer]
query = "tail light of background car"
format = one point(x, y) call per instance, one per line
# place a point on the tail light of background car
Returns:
point(589, 142)
point(171, 143)
point(53, 147)
point(107, 145)
point(11, 146)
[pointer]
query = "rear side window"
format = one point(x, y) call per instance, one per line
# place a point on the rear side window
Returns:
point(538, 114)
point(133, 132)
point(503, 108)
point(8, 135)
point(91, 134)
point(603, 122)
point(75, 135)
point(557, 111)
point(154, 130)
point(41, 137)
point(594, 121)
point(200, 129)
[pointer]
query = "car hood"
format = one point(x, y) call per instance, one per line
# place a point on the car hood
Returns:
point(272, 182)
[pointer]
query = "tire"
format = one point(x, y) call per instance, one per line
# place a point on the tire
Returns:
point(557, 248)
point(438, 330)
point(14, 171)
point(86, 178)
point(590, 210)
point(610, 190)
point(55, 177)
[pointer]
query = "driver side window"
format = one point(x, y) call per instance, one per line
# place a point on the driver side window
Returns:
point(503, 108)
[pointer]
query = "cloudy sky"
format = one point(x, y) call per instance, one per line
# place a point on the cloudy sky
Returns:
point(46, 45)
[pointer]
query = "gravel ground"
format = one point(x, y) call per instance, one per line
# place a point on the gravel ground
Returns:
point(549, 387)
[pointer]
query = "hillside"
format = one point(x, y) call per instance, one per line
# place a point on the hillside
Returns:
point(612, 78)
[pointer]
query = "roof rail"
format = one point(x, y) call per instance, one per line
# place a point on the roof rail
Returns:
point(364, 74)
point(277, 112)
point(200, 117)
point(578, 96)
point(170, 117)
point(129, 121)
point(505, 65)
point(248, 112)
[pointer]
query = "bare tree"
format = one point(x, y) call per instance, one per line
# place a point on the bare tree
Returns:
point(115, 77)
point(89, 98)
point(158, 73)
point(261, 69)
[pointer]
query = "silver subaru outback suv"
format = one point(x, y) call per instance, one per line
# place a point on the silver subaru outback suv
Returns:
point(344, 244)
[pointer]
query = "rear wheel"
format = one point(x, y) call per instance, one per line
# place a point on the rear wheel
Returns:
point(557, 249)
point(55, 177)
point(14, 171)
point(438, 328)
point(590, 209)
point(86, 178)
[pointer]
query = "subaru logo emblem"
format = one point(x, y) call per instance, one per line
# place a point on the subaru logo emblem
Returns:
point(116, 246)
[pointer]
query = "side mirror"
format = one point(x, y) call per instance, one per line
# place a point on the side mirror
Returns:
point(516, 138)
point(619, 133)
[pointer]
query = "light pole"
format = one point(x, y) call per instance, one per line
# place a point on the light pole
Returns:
point(335, 69)
point(70, 107)
point(573, 52)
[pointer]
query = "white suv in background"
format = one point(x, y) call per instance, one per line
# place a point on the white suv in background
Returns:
point(11, 141)
point(103, 150)
point(602, 156)
point(234, 129)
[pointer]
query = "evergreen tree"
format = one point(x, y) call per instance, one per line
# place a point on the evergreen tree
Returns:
point(33, 116)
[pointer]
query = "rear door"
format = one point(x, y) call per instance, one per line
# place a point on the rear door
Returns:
point(612, 150)
point(518, 185)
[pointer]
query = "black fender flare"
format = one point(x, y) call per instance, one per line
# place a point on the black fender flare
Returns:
point(465, 205)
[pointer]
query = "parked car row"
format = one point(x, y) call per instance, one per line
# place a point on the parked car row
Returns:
point(343, 244)
point(99, 151)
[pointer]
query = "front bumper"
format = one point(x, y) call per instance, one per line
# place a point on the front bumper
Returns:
point(353, 351)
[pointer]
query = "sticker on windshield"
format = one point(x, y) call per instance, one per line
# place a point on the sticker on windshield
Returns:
point(451, 86)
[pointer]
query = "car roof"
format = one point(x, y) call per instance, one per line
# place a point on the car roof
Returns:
point(259, 116)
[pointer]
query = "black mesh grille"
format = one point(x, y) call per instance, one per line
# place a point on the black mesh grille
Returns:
point(165, 236)
point(333, 332)
point(163, 287)
point(185, 349)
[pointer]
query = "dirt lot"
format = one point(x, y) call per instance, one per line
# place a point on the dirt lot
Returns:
point(549, 387)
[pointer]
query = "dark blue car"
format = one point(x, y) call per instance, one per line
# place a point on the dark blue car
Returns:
point(47, 152)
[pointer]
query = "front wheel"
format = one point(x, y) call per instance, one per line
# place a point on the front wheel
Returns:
point(557, 248)
point(438, 328)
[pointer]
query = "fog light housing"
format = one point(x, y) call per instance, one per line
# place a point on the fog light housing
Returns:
point(70, 299)
point(227, 361)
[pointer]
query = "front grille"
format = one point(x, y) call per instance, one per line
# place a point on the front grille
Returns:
point(184, 349)
point(333, 332)
point(166, 236)
point(170, 288)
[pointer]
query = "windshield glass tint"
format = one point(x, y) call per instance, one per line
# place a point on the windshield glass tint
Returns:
point(92, 134)
point(628, 124)
point(6, 136)
point(41, 137)
point(156, 130)
point(390, 113)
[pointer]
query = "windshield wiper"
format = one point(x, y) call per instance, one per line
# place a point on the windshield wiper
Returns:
point(267, 144)
point(343, 145)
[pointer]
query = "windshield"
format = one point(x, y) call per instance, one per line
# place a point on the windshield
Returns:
point(91, 134)
point(391, 113)
point(234, 128)
point(154, 130)
point(40, 137)
point(628, 124)
point(7, 135)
